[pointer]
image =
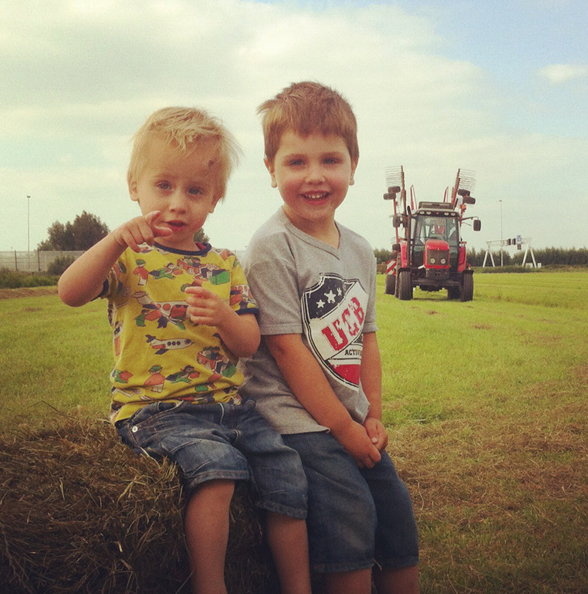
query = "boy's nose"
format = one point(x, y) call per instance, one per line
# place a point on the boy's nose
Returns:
point(315, 174)
point(177, 201)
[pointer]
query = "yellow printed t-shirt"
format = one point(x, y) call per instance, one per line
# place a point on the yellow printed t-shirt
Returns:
point(159, 353)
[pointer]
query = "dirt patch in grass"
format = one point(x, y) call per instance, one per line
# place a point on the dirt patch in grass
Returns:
point(27, 292)
point(582, 374)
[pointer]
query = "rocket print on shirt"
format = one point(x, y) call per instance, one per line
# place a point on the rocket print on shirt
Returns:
point(333, 313)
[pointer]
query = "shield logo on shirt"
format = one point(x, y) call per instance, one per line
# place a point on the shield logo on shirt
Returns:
point(333, 313)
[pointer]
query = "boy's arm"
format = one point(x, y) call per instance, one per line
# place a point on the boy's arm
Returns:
point(371, 382)
point(239, 332)
point(310, 386)
point(84, 279)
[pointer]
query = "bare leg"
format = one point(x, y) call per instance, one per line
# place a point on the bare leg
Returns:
point(397, 581)
point(207, 534)
point(289, 544)
point(349, 582)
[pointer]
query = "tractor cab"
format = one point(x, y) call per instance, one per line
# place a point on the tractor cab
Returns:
point(435, 236)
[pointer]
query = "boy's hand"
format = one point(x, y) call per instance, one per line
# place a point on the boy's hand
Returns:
point(239, 333)
point(376, 432)
point(206, 307)
point(140, 230)
point(359, 445)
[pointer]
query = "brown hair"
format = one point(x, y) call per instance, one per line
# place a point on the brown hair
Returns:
point(184, 127)
point(306, 108)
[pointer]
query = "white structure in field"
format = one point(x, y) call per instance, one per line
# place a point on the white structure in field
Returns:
point(519, 242)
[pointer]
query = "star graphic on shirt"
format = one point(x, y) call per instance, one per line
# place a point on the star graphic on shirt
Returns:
point(320, 304)
point(330, 297)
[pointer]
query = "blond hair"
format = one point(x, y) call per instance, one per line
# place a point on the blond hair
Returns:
point(308, 108)
point(184, 127)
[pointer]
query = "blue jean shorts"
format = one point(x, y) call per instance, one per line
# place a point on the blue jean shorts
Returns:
point(221, 441)
point(355, 516)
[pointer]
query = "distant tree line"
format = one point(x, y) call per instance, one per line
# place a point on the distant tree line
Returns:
point(87, 229)
point(382, 256)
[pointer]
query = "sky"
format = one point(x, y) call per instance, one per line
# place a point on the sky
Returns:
point(499, 88)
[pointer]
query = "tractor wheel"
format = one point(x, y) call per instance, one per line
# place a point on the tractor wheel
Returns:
point(404, 285)
point(390, 284)
point(453, 292)
point(467, 288)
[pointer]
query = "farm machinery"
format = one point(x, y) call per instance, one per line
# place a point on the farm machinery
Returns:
point(430, 254)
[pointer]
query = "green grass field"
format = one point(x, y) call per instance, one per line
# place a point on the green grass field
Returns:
point(486, 404)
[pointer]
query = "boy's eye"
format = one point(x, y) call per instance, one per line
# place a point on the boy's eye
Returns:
point(295, 162)
point(164, 185)
point(195, 191)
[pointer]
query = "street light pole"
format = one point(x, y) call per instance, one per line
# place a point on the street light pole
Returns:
point(29, 223)
point(501, 257)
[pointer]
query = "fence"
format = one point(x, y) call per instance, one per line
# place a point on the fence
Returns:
point(31, 261)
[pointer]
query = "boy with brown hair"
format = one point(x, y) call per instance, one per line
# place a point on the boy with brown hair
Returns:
point(317, 373)
point(182, 315)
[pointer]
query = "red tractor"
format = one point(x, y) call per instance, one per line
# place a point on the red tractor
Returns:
point(431, 255)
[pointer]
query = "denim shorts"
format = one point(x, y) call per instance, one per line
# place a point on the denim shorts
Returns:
point(355, 516)
point(221, 441)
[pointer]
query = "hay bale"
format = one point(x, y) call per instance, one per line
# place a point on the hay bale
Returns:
point(80, 512)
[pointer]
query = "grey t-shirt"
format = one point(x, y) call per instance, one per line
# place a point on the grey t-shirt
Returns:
point(304, 286)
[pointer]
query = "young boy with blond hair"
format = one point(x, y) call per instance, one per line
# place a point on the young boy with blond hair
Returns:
point(182, 315)
point(317, 375)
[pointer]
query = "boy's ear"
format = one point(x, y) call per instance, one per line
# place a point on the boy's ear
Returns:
point(214, 203)
point(353, 168)
point(272, 171)
point(133, 190)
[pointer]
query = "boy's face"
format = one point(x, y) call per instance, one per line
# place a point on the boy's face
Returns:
point(313, 174)
point(180, 185)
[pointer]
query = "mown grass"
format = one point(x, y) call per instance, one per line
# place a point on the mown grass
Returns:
point(486, 405)
point(547, 289)
point(52, 357)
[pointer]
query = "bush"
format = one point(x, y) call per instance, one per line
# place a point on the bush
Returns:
point(13, 279)
point(60, 265)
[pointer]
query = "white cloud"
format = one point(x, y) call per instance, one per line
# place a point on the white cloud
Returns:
point(560, 73)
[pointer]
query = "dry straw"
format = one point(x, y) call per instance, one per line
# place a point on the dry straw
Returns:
point(79, 512)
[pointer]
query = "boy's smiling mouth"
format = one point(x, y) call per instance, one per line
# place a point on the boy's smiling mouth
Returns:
point(315, 196)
